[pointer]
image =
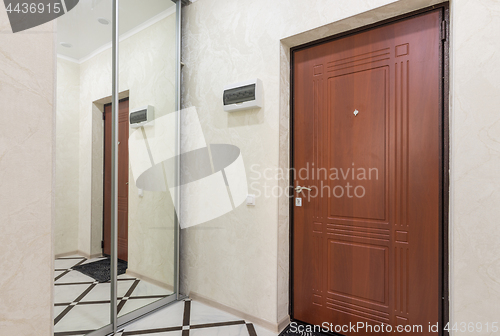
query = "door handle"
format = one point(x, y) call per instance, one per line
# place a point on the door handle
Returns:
point(298, 189)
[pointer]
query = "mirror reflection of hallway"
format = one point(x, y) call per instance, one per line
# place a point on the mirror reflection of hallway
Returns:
point(146, 219)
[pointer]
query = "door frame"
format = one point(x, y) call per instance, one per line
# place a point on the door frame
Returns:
point(104, 169)
point(445, 148)
point(103, 174)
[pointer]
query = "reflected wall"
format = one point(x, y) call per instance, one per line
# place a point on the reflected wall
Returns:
point(147, 73)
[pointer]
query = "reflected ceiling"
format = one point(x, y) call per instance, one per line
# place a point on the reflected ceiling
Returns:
point(83, 26)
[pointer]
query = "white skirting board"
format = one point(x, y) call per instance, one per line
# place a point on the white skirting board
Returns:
point(274, 327)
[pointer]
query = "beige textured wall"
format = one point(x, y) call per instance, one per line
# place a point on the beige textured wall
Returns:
point(241, 259)
point(475, 162)
point(67, 149)
point(27, 122)
point(97, 180)
point(147, 70)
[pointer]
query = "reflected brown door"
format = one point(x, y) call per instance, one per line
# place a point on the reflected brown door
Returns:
point(367, 141)
point(123, 169)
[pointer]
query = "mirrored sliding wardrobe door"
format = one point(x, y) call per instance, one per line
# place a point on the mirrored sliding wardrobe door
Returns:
point(116, 244)
point(82, 284)
point(147, 140)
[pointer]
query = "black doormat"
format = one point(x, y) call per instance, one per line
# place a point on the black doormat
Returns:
point(302, 329)
point(100, 269)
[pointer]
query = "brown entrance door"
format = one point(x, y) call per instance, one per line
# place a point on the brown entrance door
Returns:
point(123, 169)
point(367, 141)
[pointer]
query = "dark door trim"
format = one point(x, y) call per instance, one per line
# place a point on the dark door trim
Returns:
point(445, 147)
point(103, 172)
point(103, 169)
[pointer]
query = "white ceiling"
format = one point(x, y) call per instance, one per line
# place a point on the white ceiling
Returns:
point(80, 28)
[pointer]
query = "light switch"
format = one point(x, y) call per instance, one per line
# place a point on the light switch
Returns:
point(250, 199)
point(141, 192)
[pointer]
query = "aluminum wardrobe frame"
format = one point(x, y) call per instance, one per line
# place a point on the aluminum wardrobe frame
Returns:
point(118, 323)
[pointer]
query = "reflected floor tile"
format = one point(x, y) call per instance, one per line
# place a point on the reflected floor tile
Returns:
point(74, 276)
point(201, 314)
point(92, 260)
point(57, 273)
point(58, 310)
point(135, 304)
point(68, 293)
point(170, 316)
point(145, 288)
point(125, 276)
point(84, 317)
point(102, 291)
point(65, 263)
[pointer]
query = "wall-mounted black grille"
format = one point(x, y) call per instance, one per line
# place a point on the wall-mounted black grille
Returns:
point(239, 95)
point(139, 116)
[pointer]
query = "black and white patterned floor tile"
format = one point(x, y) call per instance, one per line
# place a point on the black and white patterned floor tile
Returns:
point(192, 318)
point(82, 304)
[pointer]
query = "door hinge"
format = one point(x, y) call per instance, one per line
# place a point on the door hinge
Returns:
point(102, 243)
point(103, 116)
point(443, 30)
